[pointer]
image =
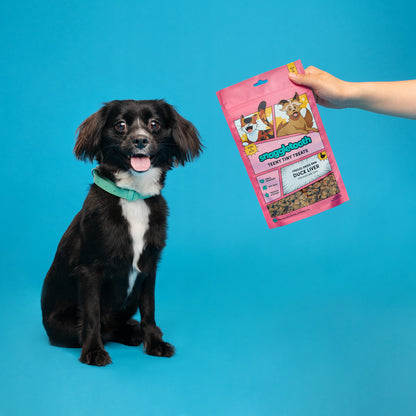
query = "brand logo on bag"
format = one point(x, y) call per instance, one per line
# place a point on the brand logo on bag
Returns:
point(285, 148)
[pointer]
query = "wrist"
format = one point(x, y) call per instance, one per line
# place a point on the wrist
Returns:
point(352, 94)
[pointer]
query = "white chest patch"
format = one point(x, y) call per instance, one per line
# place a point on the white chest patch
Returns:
point(146, 183)
point(137, 212)
point(137, 215)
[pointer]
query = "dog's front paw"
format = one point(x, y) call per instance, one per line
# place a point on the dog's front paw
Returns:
point(159, 348)
point(98, 357)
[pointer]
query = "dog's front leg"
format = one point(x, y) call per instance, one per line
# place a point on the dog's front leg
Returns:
point(89, 286)
point(152, 335)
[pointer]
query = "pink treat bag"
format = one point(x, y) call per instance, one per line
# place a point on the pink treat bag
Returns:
point(283, 144)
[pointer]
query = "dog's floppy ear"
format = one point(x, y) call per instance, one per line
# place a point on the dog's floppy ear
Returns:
point(186, 138)
point(87, 145)
point(283, 103)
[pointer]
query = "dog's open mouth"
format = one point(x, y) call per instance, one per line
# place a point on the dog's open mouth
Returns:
point(140, 163)
point(249, 129)
point(295, 114)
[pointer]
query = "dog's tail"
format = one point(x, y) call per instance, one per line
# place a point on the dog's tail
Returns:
point(308, 118)
point(262, 114)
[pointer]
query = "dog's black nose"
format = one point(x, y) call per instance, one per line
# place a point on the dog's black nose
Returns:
point(140, 142)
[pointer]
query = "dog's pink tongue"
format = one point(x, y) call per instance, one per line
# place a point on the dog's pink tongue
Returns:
point(140, 164)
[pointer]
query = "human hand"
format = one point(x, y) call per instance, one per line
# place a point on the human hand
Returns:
point(329, 91)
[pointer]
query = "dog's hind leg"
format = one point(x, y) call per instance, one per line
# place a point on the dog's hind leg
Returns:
point(128, 334)
point(62, 327)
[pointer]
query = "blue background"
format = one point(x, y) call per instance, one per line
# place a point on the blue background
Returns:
point(316, 318)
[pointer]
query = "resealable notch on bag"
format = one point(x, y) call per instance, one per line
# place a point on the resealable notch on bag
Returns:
point(281, 139)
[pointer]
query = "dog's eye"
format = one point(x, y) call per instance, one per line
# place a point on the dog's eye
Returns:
point(154, 125)
point(121, 126)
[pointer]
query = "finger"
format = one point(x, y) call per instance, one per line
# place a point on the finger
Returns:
point(301, 79)
point(312, 70)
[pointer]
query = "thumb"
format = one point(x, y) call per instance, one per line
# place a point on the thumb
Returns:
point(302, 79)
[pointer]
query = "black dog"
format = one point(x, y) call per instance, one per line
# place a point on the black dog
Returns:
point(105, 264)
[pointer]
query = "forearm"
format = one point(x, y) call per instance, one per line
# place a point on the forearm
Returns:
point(396, 98)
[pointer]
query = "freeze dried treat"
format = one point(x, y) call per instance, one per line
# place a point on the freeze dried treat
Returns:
point(283, 144)
point(318, 191)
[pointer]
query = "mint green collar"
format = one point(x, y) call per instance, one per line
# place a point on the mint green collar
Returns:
point(113, 189)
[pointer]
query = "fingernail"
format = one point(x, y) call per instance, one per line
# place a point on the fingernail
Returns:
point(293, 75)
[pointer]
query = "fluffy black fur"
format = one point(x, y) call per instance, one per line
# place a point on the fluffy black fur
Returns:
point(84, 296)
